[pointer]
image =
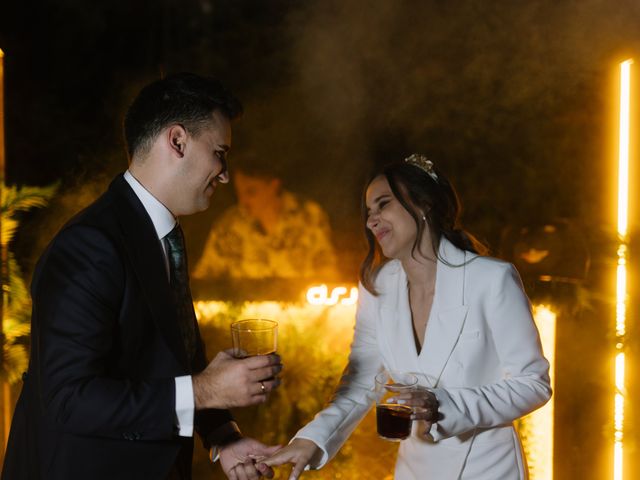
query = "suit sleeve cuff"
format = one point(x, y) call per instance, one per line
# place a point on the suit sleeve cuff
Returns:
point(185, 406)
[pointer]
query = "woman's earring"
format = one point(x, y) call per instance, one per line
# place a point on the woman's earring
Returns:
point(424, 218)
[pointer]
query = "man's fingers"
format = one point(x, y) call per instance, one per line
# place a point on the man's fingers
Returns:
point(265, 470)
point(245, 471)
point(238, 472)
point(270, 385)
point(262, 361)
point(263, 373)
point(262, 389)
point(231, 474)
point(252, 471)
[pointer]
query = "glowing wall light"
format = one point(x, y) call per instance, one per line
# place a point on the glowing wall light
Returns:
point(623, 147)
point(621, 271)
point(536, 429)
point(320, 295)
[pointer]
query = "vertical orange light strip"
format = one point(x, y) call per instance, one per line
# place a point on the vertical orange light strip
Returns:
point(536, 429)
point(623, 148)
point(621, 273)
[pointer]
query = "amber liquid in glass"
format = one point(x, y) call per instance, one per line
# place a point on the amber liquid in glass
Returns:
point(394, 421)
point(254, 354)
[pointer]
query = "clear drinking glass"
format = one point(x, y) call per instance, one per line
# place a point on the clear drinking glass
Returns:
point(254, 336)
point(393, 419)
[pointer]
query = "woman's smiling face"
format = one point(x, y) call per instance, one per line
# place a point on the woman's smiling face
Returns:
point(392, 225)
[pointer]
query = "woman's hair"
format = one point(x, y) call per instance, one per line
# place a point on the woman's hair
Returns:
point(418, 190)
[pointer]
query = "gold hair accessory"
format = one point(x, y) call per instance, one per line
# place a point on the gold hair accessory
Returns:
point(423, 163)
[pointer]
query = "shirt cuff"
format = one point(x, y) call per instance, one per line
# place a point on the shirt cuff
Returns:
point(185, 405)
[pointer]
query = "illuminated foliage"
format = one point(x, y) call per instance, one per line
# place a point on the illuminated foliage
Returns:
point(16, 314)
point(313, 342)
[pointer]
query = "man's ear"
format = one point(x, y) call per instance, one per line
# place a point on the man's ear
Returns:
point(177, 138)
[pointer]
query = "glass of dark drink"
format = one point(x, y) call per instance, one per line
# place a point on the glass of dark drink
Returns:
point(393, 419)
point(255, 336)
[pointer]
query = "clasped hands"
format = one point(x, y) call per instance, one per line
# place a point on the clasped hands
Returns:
point(229, 382)
point(302, 452)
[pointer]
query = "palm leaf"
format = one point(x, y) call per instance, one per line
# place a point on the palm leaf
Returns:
point(25, 198)
point(9, 227)
point(13, 329)
point(15, 324)
point(14, 361)
point(19, 300)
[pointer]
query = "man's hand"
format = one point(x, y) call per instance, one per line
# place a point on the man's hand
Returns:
point(237, 459)
point(300, 453)
point(230, 382)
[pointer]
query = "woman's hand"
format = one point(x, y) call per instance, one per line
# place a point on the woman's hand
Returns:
point(424, 403)
point(300, 453)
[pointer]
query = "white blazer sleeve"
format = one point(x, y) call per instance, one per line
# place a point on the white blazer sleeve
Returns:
point(525, 372)
point(355, 395)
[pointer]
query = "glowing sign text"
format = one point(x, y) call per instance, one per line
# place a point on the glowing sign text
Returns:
point(319, 295)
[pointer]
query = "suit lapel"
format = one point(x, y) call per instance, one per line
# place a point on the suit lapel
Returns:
point(397, 324)
point(449, 312)
point(145, 254)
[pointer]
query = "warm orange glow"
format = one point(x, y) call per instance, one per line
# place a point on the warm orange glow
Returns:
point(621, 271)
point(623, 147)
point(319, 295)
point(536, 429)
point(621, 291)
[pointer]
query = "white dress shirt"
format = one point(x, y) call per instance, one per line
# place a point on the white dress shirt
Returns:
point(164, 221)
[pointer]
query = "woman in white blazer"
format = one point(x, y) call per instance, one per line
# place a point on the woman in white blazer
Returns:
point(431, 305)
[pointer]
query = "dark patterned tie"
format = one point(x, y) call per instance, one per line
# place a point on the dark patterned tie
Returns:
point(179, 281)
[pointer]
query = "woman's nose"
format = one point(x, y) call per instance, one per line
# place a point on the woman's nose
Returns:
point(372, 220)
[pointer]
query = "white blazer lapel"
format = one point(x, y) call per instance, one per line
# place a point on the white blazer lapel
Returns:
point(395, 315)
point(447, 321)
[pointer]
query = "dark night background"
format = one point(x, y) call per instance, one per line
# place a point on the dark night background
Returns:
point(514, 100)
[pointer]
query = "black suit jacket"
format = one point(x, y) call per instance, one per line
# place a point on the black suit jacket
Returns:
point(98, 400)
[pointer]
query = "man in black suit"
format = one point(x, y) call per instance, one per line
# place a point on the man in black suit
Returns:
point(118, 378)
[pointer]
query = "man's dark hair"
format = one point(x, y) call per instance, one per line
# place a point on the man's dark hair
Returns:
point(184, 98)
